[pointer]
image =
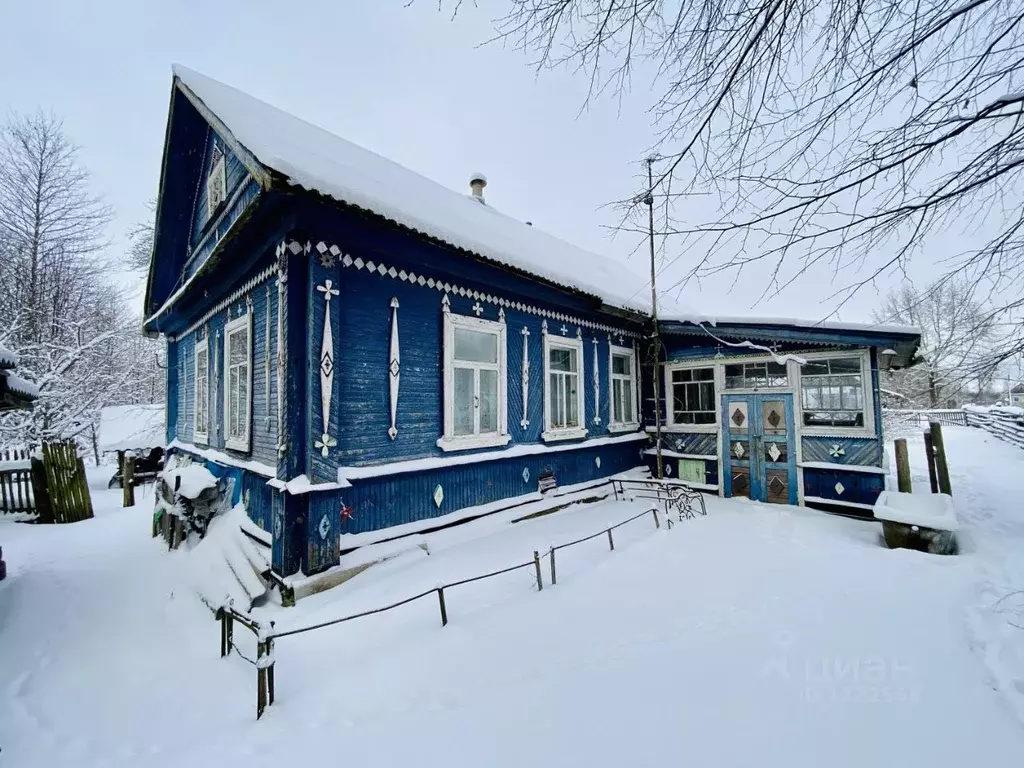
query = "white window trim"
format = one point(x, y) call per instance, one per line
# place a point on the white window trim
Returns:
point(570, 433)
point(718, 380)
point(868, 430)
point(240, 322)
point(450, 441)
point(219, 171)
point(790, 372)
point(202, 345)
point(622, 426)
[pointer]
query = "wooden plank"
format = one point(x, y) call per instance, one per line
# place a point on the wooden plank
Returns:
point(929, 452)
point(41, 492)
point(941, 467)
point(903, 467)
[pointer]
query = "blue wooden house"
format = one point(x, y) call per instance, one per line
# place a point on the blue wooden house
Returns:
point(353, 347)
point(780, 411)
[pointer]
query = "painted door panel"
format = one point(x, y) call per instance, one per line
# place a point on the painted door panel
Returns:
point(759, 450)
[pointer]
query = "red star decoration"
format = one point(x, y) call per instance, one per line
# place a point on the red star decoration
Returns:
point(346, 512)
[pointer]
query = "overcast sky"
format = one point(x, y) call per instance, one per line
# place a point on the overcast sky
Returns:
point(409, 83)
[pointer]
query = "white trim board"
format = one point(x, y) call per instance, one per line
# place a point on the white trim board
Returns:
point(829, 465)
point(219, 457)
point(346, 474)
point(837, 502)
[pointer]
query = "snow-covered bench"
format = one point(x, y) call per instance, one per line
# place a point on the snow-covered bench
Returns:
point(922, 521)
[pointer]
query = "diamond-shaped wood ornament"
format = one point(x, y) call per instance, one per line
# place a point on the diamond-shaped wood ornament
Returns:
point(737, 448)
point(438, 496)
point(738, 418)
point(773, 418)
point(774, 452)
point(325, 527)
point(840, 488)
point(526, 474)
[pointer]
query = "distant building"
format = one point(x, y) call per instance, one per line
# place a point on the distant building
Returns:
point(358, 347)
point(1017, 396)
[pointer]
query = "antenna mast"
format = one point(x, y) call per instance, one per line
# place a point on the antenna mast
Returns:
point(655, 335)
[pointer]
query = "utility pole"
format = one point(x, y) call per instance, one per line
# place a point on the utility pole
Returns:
point(655, 336)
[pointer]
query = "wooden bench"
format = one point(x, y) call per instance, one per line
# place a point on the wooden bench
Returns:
point(674, 495)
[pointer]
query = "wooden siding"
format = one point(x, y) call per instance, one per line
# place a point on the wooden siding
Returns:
point(264, 408)
point(703, 443)
point(258, 498)
point(864, 451)
point(205, 234)
point(839, 485)
point(360, 413)
point(396, 499)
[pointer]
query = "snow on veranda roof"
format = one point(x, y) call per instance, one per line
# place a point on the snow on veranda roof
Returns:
point(131, 427)
point(317, 160)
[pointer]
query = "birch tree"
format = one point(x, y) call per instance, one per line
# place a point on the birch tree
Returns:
point(960, 341)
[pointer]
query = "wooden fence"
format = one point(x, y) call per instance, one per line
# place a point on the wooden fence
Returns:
point(1005, 423)
point(53, 487)
point(947, 417)
point(16, 480)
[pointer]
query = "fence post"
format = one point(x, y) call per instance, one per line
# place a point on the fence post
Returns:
point(444, 608)
point(929, 450)
point(270, 668)
point(128, 479)
point(654, 511)
point(551, 554)
point(261, 676)
point(40, 491)
point(611, 541)
point(222, 618)
point(941, 467)
point(903, 466)
point(229, 630)
point(536, 567)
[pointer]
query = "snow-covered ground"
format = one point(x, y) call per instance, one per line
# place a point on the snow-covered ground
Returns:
point(758, 635)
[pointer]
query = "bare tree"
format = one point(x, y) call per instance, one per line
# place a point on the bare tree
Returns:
point(855, 134)
point(140, 242)
point(958, 341)
point(58, 308)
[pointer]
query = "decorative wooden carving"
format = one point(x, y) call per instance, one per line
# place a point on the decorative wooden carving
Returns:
point(326, 442)
point(394, 368)
point(597, 387)
point(525, 422)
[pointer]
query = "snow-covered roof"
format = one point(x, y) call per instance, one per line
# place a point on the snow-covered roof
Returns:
point(315, 159)
point(826, 325)
point(131, 427)
point(21, 386)
point(8, 358)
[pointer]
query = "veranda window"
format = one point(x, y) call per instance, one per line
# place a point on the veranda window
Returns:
point(832, 392)
point(762, 375)
point(238, 382)
point(475, 400)
point(693, 396)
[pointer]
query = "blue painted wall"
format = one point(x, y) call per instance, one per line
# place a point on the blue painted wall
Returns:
point(360, 415)
point(395, 499)
point(264, 404)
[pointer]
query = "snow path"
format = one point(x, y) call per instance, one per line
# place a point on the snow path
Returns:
point(759, 635)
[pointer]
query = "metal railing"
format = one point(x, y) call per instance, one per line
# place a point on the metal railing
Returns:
point(267, 635)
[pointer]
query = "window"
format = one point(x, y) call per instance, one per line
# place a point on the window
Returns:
point(237, 382)
point(756, 375)
point(563, 401)
point(832, 392)
point(201, 406)
point(475, 404)
point(623, 389)
point(216, 183)
point(693, 396)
